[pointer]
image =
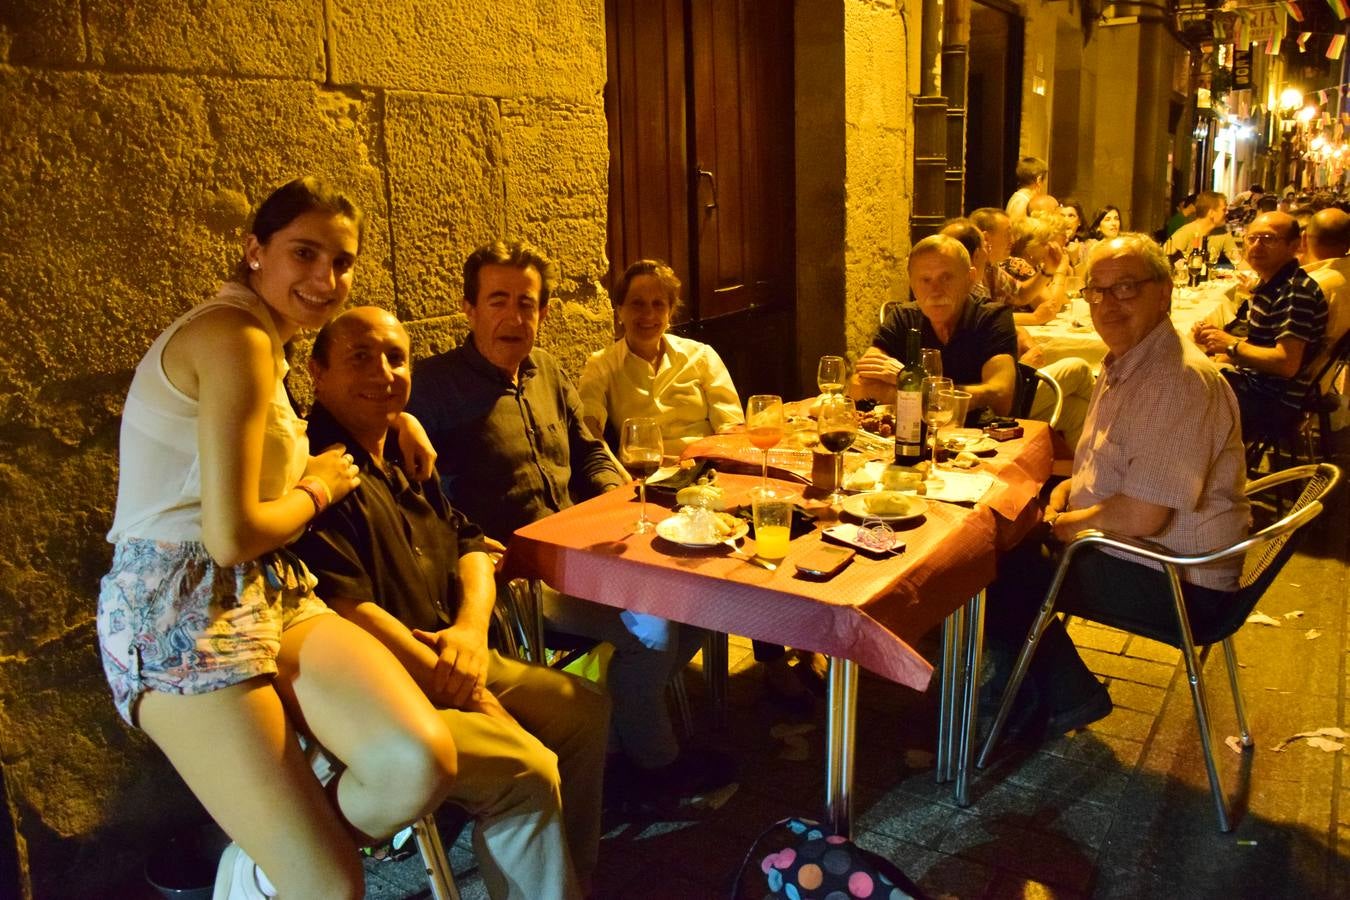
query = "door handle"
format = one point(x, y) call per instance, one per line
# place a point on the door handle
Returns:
point(712, 182)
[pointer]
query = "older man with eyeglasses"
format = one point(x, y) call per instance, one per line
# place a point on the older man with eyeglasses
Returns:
point(1160, 458)
point(1286, 324)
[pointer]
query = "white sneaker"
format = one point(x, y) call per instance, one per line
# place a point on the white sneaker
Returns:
point(237, 877)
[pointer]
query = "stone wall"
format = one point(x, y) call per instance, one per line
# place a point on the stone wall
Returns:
point(879, 159)
point(135, 138)
point(855, 64)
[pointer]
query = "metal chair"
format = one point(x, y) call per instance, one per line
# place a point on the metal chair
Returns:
point(435, 864)
point(1319, 402)
point(1266, 552)
point(519, 614)
point(885, 308)
point(1028, 377)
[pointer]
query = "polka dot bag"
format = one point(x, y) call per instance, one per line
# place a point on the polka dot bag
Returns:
point(803, 860)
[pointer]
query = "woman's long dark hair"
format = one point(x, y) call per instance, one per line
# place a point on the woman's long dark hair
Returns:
point(292, 200)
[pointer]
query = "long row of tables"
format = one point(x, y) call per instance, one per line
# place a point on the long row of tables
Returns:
point(870, 614)
point(1071, 333)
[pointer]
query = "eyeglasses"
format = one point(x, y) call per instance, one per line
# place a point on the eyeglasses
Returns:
point(1265, 239)
point(1121, 290)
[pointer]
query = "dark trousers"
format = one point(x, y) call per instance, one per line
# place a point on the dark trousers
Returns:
point(1264, 415)
point(1098, 586)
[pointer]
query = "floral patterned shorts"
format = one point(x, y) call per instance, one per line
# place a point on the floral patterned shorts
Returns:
point(171, 619)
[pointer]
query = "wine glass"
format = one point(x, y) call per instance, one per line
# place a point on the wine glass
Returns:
point(931, 360)
point(838, 427)
point(830, 374)
point(640, 449)
point(937, 411)
point(764, 425)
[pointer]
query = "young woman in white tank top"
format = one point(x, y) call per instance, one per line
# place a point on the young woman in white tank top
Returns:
point(212, 639)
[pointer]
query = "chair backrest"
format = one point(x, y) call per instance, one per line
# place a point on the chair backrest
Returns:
point(1270, 547)
point(1331, 364)
point(1264, 561)
point(885, 308)
point(1028, 378)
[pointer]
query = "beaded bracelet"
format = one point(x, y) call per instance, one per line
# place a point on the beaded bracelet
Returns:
point(318, 492)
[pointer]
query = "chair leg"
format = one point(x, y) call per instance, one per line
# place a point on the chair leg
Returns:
point(434, 860)
point(1020, 670)
point(970, 703)
point(1230, 658)
point(951, 640)
point(1197, 684)
point(679, 695)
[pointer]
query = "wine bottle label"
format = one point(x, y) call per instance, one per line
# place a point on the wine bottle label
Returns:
point(908, 417)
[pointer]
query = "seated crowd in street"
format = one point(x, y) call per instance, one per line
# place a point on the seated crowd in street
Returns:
point(290, 600)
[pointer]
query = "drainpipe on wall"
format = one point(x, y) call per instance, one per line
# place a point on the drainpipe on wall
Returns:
point(955, 69)
point(930, 129)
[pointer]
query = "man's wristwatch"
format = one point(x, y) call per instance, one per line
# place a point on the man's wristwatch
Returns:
point(1232, 349)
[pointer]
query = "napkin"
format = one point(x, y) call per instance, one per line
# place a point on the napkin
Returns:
point(961, 487)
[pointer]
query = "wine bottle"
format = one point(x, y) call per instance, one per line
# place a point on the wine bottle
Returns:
point(1195, 263)
point(909, 426)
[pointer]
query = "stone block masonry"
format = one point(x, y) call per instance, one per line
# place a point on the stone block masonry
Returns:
point(134, 138)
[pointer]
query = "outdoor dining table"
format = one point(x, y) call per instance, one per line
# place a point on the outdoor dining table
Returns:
point(870, 614)
point(1071, 333)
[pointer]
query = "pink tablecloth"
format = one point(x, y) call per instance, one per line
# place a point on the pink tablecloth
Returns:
point(871, 612)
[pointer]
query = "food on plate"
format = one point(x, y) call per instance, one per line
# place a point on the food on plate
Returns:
point(699, 525)
point(887, 503)
point(900, 478)
point(859, 480)
point(879, 420)
point(964, 460)
point(703, 493)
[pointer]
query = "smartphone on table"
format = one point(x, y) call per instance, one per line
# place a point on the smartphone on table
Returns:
point(824, 561)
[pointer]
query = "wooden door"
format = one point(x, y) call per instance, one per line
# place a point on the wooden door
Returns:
point(699, 103)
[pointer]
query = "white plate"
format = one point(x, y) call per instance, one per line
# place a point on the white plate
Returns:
point(669, 529)
point(973, 444)
point(857, 506)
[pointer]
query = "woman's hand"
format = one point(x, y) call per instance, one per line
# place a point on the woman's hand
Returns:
point(335, 467)
point(419, 457)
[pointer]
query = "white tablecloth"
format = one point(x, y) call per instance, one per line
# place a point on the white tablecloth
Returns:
point(1214, 302)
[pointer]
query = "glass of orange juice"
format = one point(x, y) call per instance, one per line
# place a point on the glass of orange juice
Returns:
point(773, 522)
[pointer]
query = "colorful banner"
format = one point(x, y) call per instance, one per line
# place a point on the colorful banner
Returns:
point(1303, 41)
point(1341, 8)
point(1291, 7)
point(1336, 46)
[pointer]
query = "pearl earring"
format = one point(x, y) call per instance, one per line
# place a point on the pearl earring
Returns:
point(254, 265)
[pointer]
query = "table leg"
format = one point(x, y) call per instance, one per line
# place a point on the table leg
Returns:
point(715, 675)
point(969, 712)
point(949, 693)
point(842, 699)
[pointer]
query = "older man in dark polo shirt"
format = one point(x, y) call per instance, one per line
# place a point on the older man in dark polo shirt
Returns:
point(397, 559)
point(513, 448)
point(1286, 325)
point(978, 340)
